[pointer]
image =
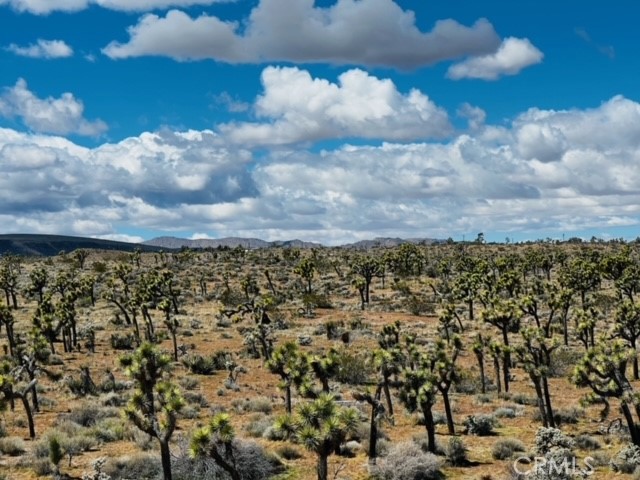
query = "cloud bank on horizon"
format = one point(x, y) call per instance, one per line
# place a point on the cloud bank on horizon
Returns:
point(329, 121)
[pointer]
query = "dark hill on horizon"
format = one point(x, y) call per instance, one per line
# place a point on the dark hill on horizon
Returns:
point(49, 245)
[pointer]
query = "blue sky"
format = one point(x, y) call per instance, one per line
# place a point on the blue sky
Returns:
point(329, 121)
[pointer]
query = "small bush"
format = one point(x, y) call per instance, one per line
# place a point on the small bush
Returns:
point(205, 365)
point(12, 446)
point(568, 416)
point(548, 439)
point(125, 341)
point(505, 412)
point(586, 442)
point(626, 460)
point(258, 423)
point(480, 425)
point(407, 461)
point(288, 452)
point(456, 452)
point(87, 414)
point(257, 404)
point(189, 383)
point(522, 399)
point(139, 465)
point(354, 368)
point(506, 447)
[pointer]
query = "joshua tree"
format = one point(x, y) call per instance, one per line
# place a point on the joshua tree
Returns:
point(172, 324)
point(306, 269)
point(321, 426)
point(11, 388)
point(535, 355)
point(39, 278)
point(377, 413)
point(627, 327)
point(6, 319)
point(291, 365)
point(216, 441)
point(503, 315)
point(156, 402)
point(603, 369)
point(367, 267)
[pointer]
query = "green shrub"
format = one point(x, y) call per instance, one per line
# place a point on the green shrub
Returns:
point(506, 447)
point(12, 446)
point(456, 452)
point(586, 442)
point(407, 461)
point(480, 425)
point(125, 341)
point(627, 459)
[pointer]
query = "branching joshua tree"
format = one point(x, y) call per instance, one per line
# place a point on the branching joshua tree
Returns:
point(306, 268)
point(503, 314)
point(627, 327)
point(322, 427)
point(12, 388)
point(603, 369)
point(534, 353)
point(377, 414)
point(155, 404)
point(288, 362)
point(367, 267)
point(216, 441)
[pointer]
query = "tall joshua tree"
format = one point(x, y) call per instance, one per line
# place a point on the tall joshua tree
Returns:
point(156, 402)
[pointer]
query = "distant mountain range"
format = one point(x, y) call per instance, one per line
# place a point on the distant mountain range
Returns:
point(49, 245)
point(250, 243)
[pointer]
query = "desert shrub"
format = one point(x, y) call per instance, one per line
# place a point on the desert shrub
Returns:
point(354, 368)
point(188, 383)
point(126, 341)
point(139, 465)
point(205, 365)
point(196, 398)
point(41, 467)
point(626, 460)
point(456, 452)
point(568, 415)
point(548, 438)
point(483, 398)
point(407, 461)
point(468, 383)
point(563, 360)
point(586, 442)
point(256, 404)
point(110, 430)
point(522, 399)
point(505, 412)
point(506, 447)
point(420, 305)
point(12, 446)
point(257, 424)
point(88, 413)
point(333, 329)
point(289, 452)
point(252, 461)
point(480, 425)
point(190, 411)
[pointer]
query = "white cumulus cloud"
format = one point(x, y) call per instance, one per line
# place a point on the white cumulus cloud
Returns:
point(298, 108)
point(62, 116)
point(513, 55)
point(42, 49)
point(351, 32)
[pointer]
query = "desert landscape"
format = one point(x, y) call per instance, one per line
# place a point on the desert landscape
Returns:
point(448, 360)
